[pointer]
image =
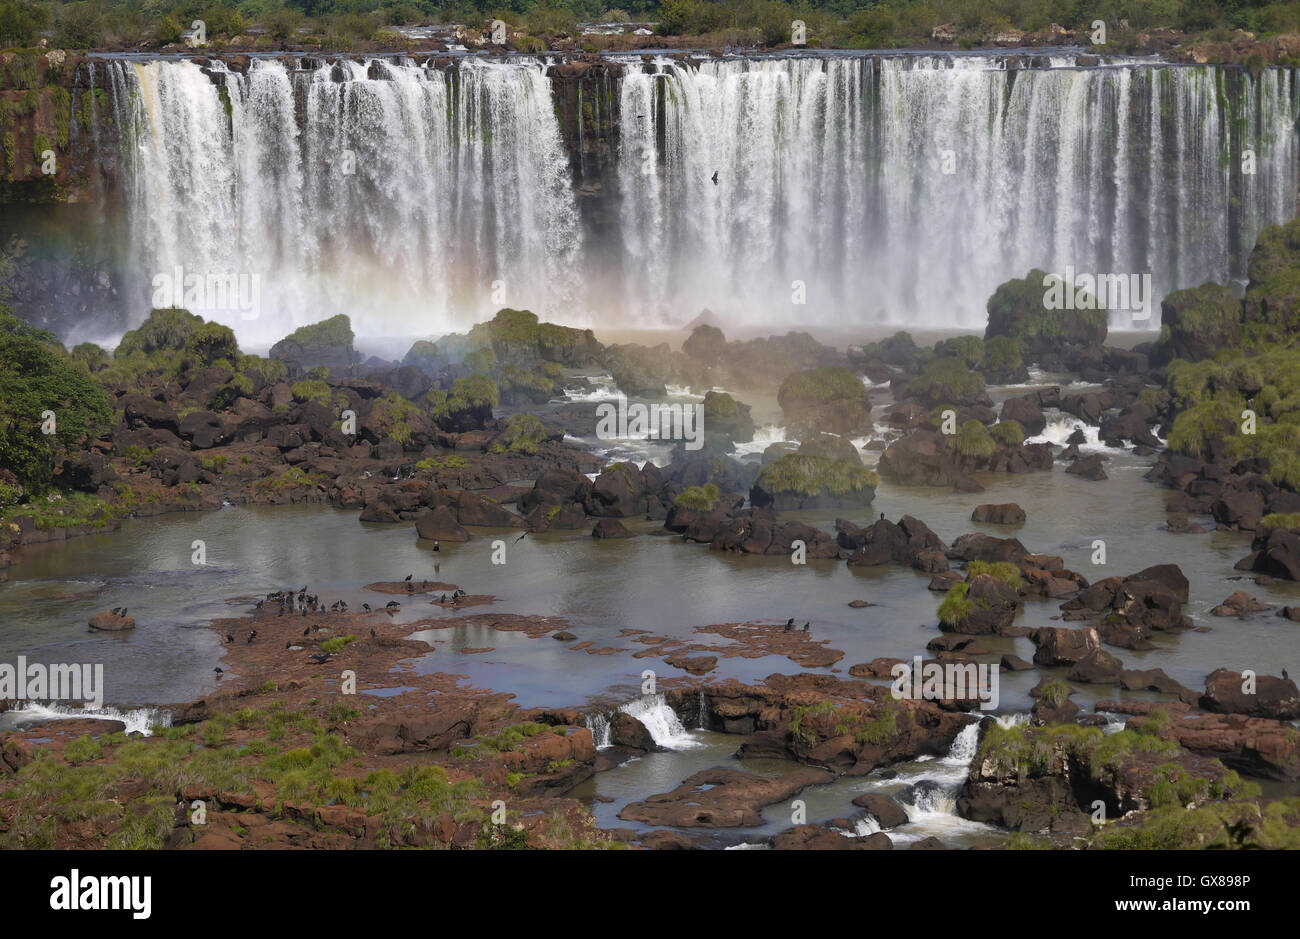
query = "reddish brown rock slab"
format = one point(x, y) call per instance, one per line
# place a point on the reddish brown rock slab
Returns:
point(1253, 745)
point(696, 665)
point(721, 798)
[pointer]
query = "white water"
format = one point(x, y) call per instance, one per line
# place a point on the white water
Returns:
point(457, 181)
point(137, 720)
point(665, 727)
point(831, 171)
point(931, 813)
point(598, 724)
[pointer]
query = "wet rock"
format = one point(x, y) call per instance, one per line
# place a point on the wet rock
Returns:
point(610, 528)
point(1007, 513)
point(1240, 604)
point(111, 622)
point(1014, 663)
point(1228, 692)
point(1098, 667)
point(1057, 645)
point(821, 838)
point(1089, 467)
point(626, 731)
point(440, 525)
point(1155, 679)
point(721, 798)
point(886, 812)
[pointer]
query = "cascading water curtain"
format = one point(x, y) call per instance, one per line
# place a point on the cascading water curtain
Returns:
point(416, 200)
point(904, 190)
point(897, 190)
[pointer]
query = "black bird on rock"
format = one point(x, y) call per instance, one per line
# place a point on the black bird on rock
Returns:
point(229, 637)
point(789, 626)
point(408, 577)
point(789, 622)
point(805, 626)
point(372, 633)
point(366, 607)
point(320, 658)
point(219, 671)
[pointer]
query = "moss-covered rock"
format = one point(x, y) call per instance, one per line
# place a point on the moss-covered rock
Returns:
point(523, 433)
point(327, 343)
point(1018, 310)
point(466, 406)
point(167, 329)
point(1198, 323)
point(724, 415)
point(805, 481)
point(948, 381)
point(830, 400)
point(1273, 292)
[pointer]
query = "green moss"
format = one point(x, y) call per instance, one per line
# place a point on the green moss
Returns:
point(809, 476)
point(1004, 571)
point(309, 389)
point(1055, 693)
point(524, 433)
point(1008, 433)
point(335, 331)
point(956, 605)
point(974, 440)
point(1018, 309)
point(821, 386)
point(946, 380)
point(168, 329)
point(698, 498)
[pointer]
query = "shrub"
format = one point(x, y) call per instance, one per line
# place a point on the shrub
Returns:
point(36, 377)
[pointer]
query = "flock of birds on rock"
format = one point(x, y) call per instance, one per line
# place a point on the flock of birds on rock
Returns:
point(300, 601)
point(789, 625)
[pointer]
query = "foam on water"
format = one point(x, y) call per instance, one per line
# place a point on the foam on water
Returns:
point(137, 720)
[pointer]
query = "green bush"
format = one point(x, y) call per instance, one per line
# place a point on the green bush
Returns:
point(35, 377)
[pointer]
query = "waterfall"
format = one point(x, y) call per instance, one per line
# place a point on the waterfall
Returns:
point(895, 189)
point(137, 720)
point(598, 724)
point(662, 721)
point(905, 189)
point(414, 199)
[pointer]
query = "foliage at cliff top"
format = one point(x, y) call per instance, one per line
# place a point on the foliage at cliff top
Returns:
point(1018, 308)
point(821, 385)
point(807, 475)
point(341, 24)
point(37, 376)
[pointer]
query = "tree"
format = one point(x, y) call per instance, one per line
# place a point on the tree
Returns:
point(37, 381)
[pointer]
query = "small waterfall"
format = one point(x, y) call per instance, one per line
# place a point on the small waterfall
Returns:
point(702, 712)
point(137, 720)
point(662, 721)
point(964, 746)
point(1007, 721)
point(866, 826)
point(598, 724)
